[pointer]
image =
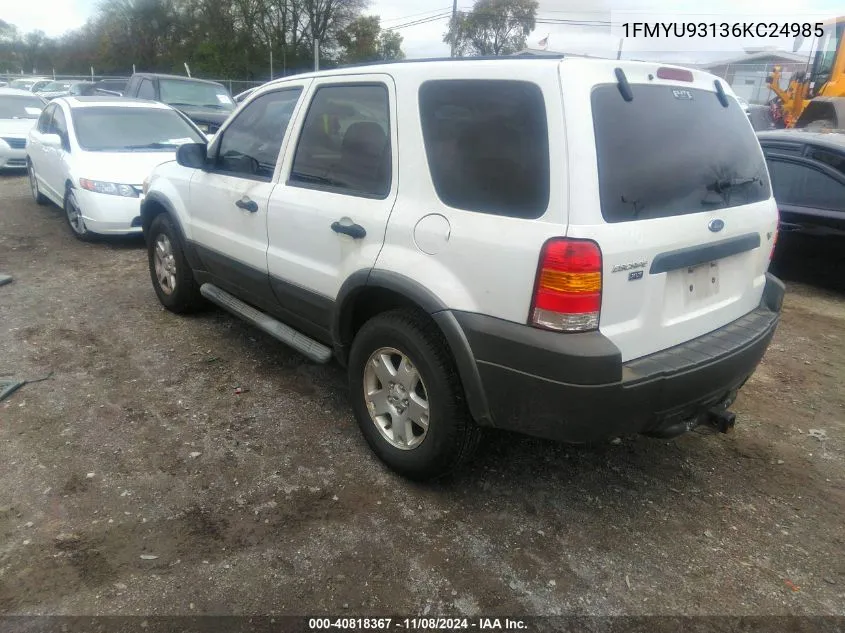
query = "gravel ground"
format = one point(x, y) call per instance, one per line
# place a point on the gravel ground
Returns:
point(136, 480)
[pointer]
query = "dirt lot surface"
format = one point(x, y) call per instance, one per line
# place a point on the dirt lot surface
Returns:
point(136, 480)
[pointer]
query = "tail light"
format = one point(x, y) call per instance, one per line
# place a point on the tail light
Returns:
point(567, 291)
point(775, 238)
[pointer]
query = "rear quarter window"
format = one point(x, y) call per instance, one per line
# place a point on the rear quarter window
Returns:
point(487, 145)
point(670, 152)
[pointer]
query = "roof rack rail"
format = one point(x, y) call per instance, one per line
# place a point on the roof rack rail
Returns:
point(455, 59)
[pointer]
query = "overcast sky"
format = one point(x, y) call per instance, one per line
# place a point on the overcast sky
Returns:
point(425, 40)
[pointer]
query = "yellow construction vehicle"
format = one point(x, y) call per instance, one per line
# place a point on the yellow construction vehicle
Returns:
point(815, 97)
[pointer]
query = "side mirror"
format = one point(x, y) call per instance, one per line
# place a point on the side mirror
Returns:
point(193, 155)
point(52, 140)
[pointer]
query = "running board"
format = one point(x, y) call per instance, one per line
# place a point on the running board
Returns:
point(306, 346)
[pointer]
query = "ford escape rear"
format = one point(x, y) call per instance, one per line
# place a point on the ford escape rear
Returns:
point(572, 248)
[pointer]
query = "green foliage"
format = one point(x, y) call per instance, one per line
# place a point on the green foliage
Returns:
point(364, 41)
point(217, 38)
point(492, 27)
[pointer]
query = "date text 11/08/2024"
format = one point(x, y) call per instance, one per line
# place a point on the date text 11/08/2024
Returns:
point(418, 624)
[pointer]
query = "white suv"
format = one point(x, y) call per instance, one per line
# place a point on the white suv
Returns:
point(571, 248)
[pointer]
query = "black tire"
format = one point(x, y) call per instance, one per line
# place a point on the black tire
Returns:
point(185, 295)
point(452, 435)
point(39, 197)
point(77, 226)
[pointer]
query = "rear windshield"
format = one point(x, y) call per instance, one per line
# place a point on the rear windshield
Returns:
point(20, 107)
point(178, 92)
point(672, 151)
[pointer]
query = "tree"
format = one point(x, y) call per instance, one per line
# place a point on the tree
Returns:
point(364, 41)
point(32, 50)
point(217, 38)
point(390, 45)
point(492, 27)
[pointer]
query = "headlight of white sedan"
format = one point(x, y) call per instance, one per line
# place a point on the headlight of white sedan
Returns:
point(109, 188)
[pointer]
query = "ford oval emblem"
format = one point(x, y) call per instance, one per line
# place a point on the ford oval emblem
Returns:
point(716, 225)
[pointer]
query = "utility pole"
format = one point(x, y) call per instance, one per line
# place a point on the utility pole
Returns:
point(454, 17)
point(316, 54)
point(271, 63)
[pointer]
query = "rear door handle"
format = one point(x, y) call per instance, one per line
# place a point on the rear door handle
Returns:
point(355, 231)
point(247, 205)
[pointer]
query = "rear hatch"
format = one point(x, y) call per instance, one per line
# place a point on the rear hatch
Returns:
point(673, 186)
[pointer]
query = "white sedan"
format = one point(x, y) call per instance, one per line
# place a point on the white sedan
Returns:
point(18, 111)
point(90, 156)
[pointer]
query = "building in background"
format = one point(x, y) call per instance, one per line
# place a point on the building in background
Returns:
point(747, 73)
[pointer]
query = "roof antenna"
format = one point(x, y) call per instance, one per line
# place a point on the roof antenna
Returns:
point(623, 85)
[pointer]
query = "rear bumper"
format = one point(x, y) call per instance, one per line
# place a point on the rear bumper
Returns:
point(574, 387)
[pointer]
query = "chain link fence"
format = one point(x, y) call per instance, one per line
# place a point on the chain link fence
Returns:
point(234, 86)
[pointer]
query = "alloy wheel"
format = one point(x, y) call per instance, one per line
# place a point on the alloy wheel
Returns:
point(74, 215)
point(396, 398)
point(165, 264)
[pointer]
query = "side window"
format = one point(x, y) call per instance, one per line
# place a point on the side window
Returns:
point(344, 146)
point(45, 121)
point(835, 160)
point(823, 192)
point(250, 145)
point(786, 181)
point(804, 186)
point(60, 127)
point(146, 90)
point(487, 144)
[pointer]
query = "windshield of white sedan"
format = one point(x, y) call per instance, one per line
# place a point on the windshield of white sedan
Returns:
point(177, 92)
point(57, 86)
point(114, 129)
point(23, 107)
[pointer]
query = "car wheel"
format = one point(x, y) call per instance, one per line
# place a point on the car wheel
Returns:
point(39, 197)
point(408, 398)
point(172, 277)
point(74, 218)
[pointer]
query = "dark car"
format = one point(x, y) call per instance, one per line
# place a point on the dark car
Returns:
point(83, 89)
point(111, 86)
point(807, 171)
point(206, 103)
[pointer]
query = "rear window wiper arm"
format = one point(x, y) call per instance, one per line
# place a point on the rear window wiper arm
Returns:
point(728, 183)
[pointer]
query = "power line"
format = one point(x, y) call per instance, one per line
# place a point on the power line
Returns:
point(414, 15)
point(433, 18)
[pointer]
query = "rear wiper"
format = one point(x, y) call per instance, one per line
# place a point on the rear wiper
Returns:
point(155, 145)
point(729, 183)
